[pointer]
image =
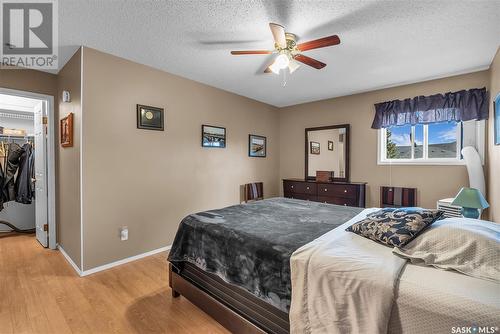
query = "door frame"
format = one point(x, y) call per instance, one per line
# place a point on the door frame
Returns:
point(51, 165)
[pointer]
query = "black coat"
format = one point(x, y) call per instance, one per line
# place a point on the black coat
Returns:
point(24, 191)
point(2, 179)
point(9, 187)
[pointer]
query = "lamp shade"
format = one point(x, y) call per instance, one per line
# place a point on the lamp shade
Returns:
point(470, 198)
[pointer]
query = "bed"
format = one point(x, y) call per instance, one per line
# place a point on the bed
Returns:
point(238, 267)
point(245, 250)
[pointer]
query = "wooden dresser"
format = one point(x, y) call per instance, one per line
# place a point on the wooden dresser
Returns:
point(340, 193)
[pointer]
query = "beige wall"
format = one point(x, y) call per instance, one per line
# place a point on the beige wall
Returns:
point(68, 164)
point(433, 182)
point(494, 150)
point(29, 81)
point(149, 180)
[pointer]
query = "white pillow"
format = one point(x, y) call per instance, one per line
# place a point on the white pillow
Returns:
point(470, 246)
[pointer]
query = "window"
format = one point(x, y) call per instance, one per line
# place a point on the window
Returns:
point(434, 143)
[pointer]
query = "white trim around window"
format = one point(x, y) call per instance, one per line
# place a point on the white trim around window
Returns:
point(473, 134)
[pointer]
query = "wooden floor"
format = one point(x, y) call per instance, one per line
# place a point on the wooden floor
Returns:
point(41, 293)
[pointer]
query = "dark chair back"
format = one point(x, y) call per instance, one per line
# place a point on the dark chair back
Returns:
point(254, 191)
point(395, 197)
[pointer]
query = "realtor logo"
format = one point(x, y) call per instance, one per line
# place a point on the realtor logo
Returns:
point(29, 33)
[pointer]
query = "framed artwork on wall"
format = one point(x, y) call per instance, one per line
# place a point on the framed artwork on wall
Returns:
point(257, 146)
point(330, 145)
point(150, 118)
point(496, 116)
point(314, 147)
point(213, 136)
point(66, 130)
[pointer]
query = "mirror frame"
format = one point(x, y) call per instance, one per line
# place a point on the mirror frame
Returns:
point(347, 128)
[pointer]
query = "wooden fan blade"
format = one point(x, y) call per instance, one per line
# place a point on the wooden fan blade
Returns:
point(268, 70)
point(310, 61)
point(251, 52)
point(319, 43)
point(278, 34)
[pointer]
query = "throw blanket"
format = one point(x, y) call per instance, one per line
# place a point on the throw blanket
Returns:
point(343, 283)
point(250, 245)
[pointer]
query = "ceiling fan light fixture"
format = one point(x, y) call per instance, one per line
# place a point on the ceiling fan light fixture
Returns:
point(289, 53)
point(293, 66)
point(275, 68)
point(282, 61)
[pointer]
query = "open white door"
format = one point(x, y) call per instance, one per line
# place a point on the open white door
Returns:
point(41, 193)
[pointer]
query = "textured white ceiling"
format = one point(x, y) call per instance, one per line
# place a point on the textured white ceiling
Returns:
point(384, 43)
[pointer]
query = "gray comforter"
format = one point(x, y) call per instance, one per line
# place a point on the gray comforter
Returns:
point(250, 245)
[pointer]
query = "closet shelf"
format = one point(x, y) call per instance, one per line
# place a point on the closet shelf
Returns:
point(2, 136)
point(17, 116)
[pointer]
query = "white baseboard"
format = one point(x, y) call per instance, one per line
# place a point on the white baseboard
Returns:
point(126, 260)
point(70, 260)
point(112, 264)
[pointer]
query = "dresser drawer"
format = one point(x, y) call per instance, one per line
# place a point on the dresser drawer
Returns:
point(338, 190)
point(338, 200)
point(300, 187)
point(304, 197)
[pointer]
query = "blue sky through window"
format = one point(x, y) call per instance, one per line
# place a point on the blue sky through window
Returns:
point(401, 135)
point(442, 133)
point(442, 141)
point(438, 133)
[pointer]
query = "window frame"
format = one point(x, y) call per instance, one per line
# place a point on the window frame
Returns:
point(425, 160)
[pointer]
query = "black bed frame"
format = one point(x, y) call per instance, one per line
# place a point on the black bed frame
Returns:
point(234, 308)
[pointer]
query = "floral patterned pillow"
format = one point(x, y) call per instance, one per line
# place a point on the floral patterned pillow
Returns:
point(395, 226)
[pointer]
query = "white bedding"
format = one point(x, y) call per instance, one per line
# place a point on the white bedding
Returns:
point(431, 300)
point(344, 283)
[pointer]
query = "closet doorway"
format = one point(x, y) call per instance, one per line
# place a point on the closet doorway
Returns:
point(27, 161)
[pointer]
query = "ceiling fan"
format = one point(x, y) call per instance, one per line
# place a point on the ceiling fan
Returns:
point(289, 52)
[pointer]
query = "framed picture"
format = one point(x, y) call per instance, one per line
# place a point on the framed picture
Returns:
point(149, 118)
point(213, 136)
point(66, 131)
point(257, 146)
point(314, 147)
point(330, 145)
point(496, 115)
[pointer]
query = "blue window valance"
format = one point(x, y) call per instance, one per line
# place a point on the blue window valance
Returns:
point(464, 105)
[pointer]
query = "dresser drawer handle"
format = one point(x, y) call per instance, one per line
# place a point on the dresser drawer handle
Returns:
point(326, 189)
point(292, 187)
point(307, 188)
point(345, 190)
point(345, 204)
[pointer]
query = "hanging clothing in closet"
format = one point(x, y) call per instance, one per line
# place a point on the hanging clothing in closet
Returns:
point(2, 178)
point(13, 154)
point(17, 174)
point(25, 175)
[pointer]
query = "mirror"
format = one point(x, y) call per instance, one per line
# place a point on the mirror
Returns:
point(327, 150)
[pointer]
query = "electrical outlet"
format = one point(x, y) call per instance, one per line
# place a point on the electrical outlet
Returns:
point(124, 233)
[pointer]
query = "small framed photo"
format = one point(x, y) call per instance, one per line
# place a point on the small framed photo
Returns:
point(66, 131)
point(150, 118)
point(257, 146)
point(213, 136)
point(314, 147)
point(330, 145)
point(496, 115)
